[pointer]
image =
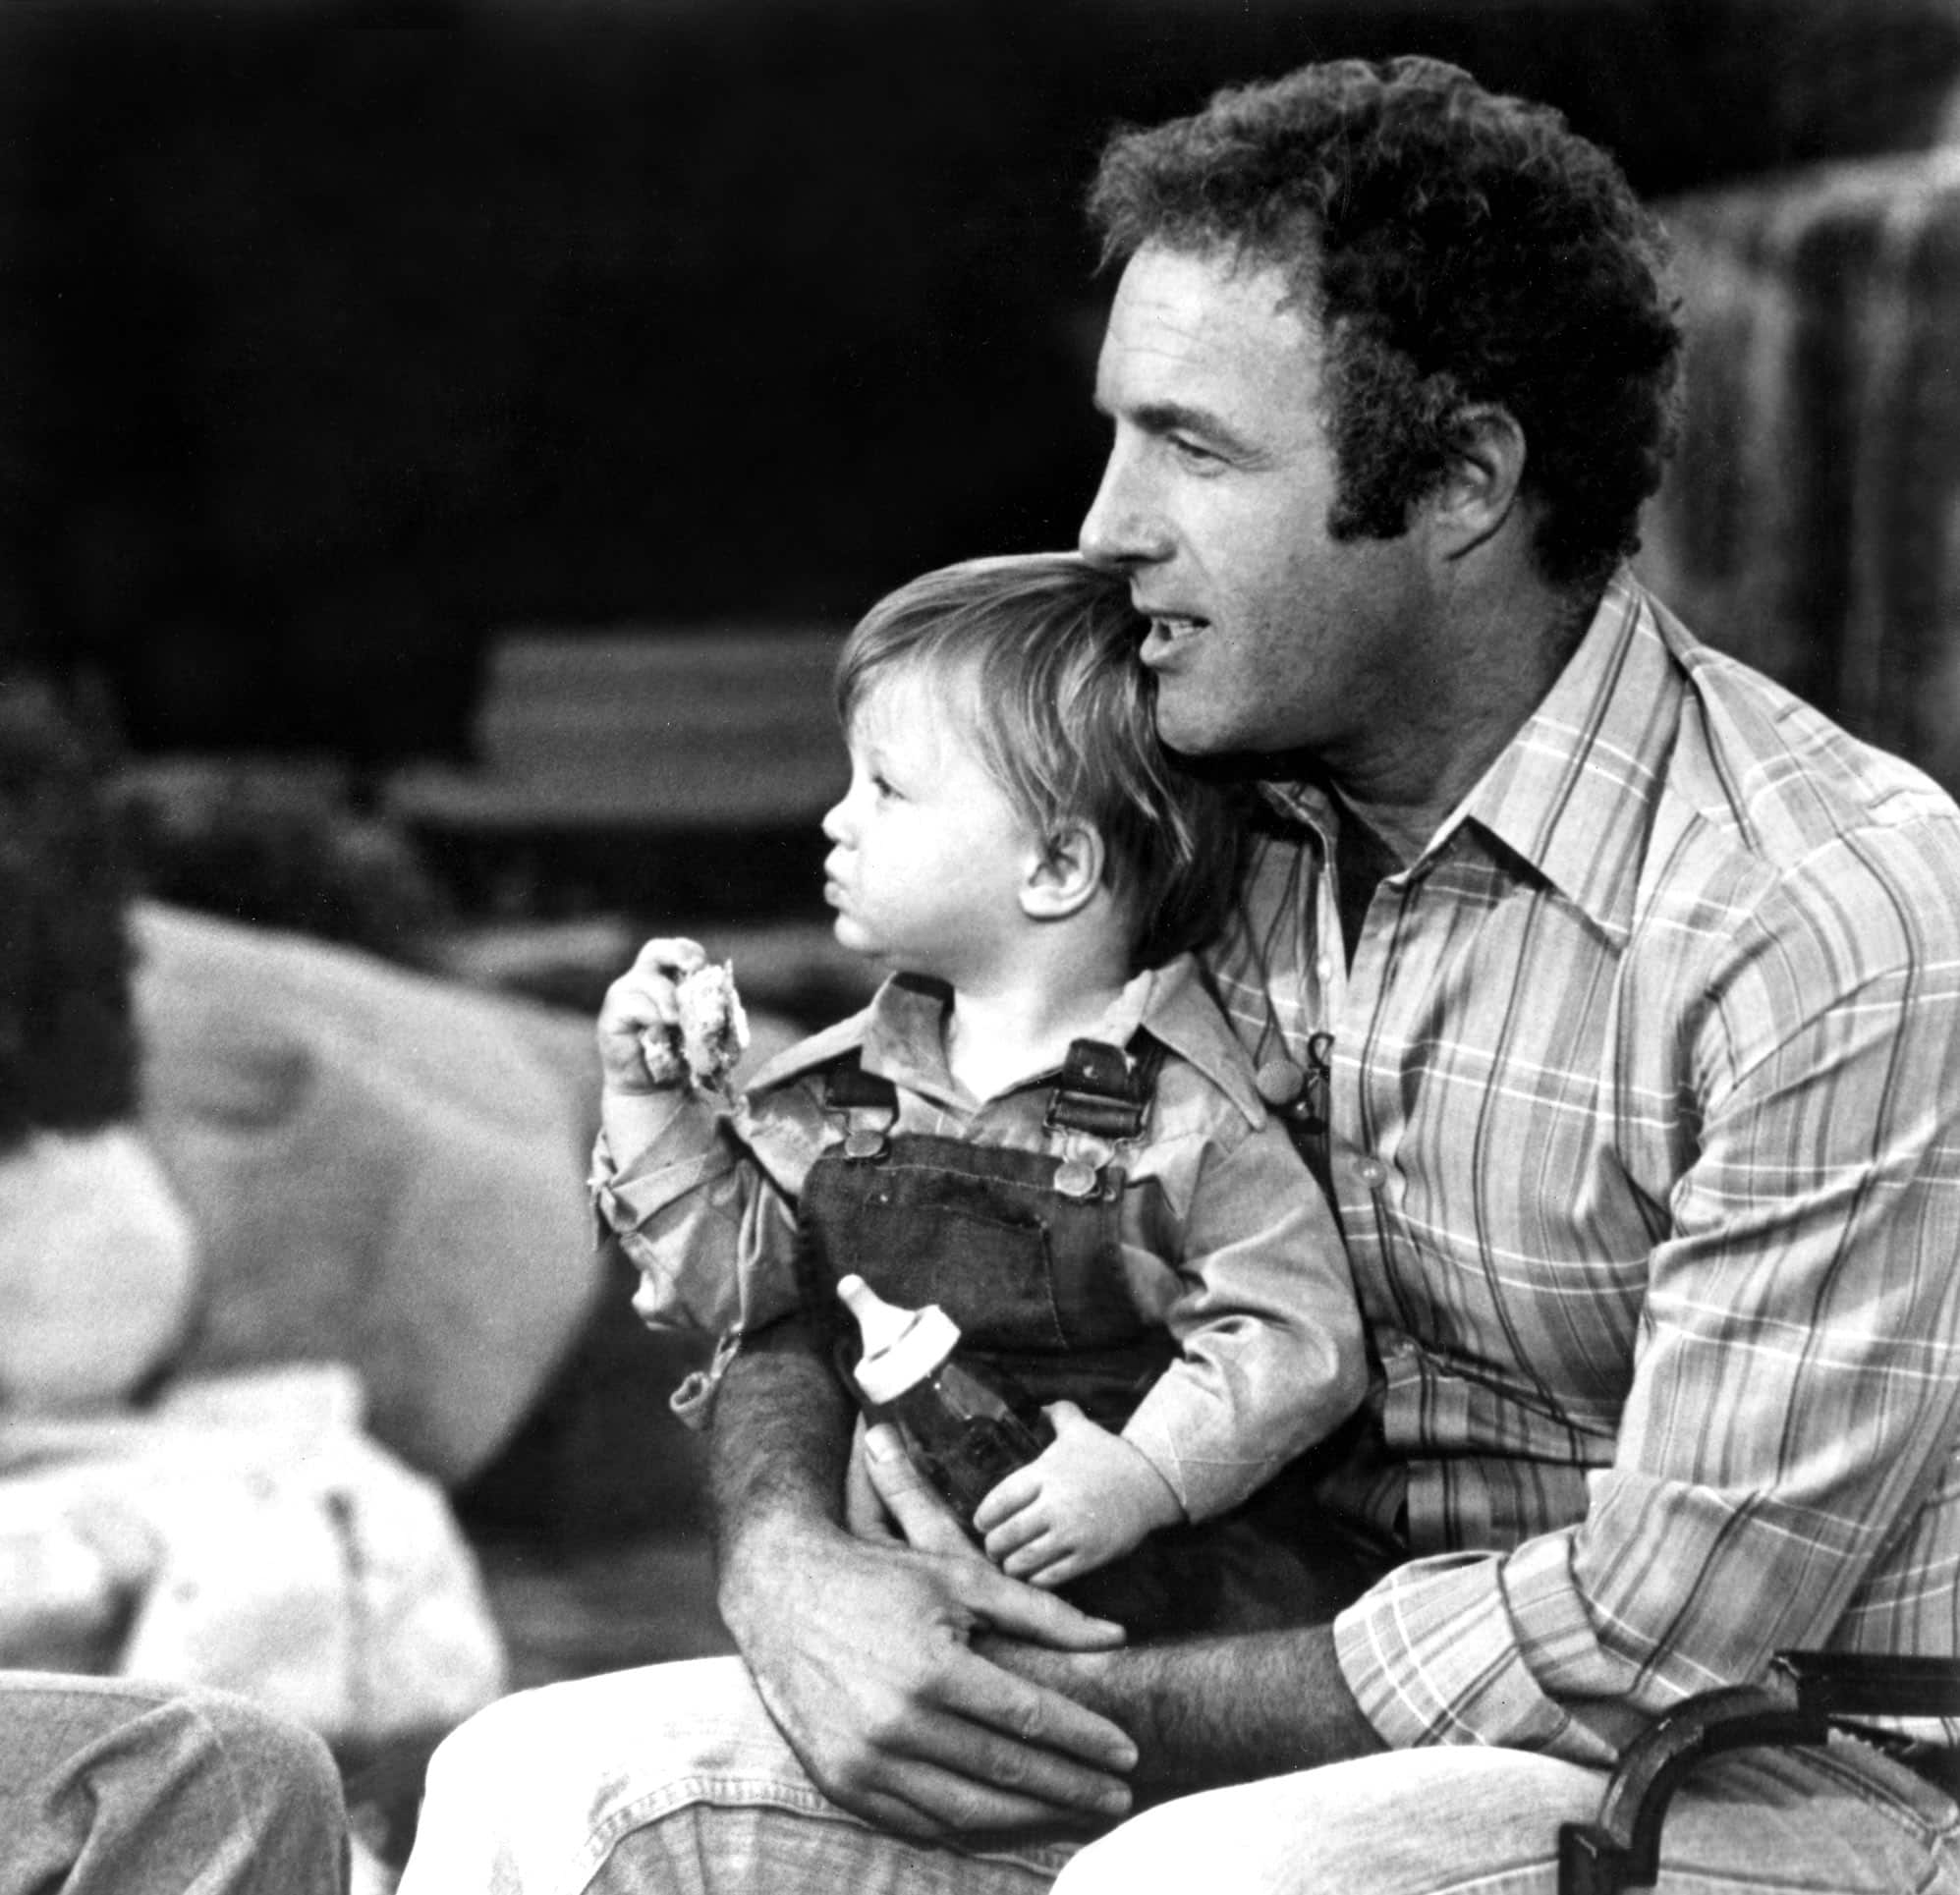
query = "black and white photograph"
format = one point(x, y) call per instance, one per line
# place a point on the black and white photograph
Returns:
point(951, 947)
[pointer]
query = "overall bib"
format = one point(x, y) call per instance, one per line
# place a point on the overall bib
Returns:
point(1021, 1250)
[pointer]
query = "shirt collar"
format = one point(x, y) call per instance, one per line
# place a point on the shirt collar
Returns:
point(1180, 1011)
point(903, 1033)
point(1302, 803)
point(905, 1036)
point(1572, 790)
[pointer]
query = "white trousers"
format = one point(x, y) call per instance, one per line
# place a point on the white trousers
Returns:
point(673, 1779)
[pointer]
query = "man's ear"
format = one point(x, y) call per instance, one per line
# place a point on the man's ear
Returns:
point(1480, 489)
point(1063, 874)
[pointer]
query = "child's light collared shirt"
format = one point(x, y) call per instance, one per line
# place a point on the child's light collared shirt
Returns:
point(1226, 1239)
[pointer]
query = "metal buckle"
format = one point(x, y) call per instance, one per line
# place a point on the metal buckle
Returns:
point(1074, 1179)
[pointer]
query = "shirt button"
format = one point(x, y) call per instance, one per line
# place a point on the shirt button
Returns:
point(1323, 969)
point(1370, 1171)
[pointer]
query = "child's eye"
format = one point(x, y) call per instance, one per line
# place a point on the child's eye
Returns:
point(883, 785)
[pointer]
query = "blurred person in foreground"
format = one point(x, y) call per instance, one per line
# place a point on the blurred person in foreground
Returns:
point(1640, 980)
point(106, 1785)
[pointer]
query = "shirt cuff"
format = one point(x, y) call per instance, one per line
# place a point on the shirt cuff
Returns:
point(1433, 1653)
point(1206, 1486)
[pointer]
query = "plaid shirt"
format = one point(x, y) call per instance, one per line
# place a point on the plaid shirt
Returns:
point(1643, 1098)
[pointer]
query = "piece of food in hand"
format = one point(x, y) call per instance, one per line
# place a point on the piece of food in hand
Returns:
point(709, 1035)
point(660, 1048)
point(714, 1030)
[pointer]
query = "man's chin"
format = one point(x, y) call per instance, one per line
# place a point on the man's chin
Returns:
point(1187, 735)
point(1198, 734)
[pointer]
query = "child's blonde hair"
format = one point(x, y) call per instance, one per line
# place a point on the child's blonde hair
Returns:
point(1064, 722)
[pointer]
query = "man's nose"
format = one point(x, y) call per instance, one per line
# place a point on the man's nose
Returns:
point(1122, 526)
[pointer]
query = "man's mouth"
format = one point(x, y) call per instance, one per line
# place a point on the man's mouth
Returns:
point(1168, 631)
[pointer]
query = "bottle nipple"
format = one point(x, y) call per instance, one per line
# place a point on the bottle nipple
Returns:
point(902, 1347)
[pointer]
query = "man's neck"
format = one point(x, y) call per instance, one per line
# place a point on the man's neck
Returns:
point(1405, 784)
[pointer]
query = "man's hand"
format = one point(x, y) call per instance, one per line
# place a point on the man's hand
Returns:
point(1087, 1499)
point(863, 1652)
point(1202, 1712)
point(895, 1505)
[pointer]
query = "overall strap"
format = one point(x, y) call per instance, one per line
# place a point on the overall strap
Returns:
point(847, 1085)
point(1102, 1091)
point(868, 1102)
point(1020, 1246)
point(1106, 1092)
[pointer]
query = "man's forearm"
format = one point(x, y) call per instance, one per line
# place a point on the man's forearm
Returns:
point(862, 1651)
point(1217, 1710)
point(777, 1449)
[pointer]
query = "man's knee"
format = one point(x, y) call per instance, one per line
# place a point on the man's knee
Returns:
point(1175, 1844)
point(566, 1754)
point(483, 1753)
point(537, 1789)
point(1410, 1822)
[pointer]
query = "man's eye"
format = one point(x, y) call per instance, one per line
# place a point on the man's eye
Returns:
point(1194, 452)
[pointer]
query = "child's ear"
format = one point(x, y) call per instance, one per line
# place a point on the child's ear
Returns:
point(1063, 874)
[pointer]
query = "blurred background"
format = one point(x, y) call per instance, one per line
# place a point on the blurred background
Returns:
point(440, 445)
point(343, 347)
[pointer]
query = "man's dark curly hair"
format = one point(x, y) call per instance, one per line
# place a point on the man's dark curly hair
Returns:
point(1456, 248)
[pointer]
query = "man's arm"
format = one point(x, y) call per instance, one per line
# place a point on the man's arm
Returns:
point(862, 1652)
point(1203, 1711)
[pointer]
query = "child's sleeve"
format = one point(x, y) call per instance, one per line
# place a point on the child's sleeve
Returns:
point(707, 1214)
point(1271, 1358)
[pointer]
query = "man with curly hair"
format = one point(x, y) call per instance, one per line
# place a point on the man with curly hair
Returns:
point(1613, 993)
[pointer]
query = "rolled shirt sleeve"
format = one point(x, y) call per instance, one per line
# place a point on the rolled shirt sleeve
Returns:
point(708, 1217)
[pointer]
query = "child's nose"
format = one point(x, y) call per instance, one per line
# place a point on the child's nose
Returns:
point(833, 824)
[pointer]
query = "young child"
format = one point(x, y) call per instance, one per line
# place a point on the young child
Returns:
point(1042, 1122)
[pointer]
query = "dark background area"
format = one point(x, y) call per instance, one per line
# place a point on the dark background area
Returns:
point(340, 344)
point(335, 339)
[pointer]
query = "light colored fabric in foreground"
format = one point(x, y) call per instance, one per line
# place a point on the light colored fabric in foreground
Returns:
point(671, 1780)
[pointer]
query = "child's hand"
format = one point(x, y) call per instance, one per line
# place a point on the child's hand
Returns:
point(1088, 1498)
point(638, 1015)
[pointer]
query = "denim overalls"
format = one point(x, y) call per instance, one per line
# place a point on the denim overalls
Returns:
point(1021, 1250)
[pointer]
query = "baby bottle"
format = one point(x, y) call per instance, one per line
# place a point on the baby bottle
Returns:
point(965, 1426)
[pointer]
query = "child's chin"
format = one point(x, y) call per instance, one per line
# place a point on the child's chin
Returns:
point(850, 935)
